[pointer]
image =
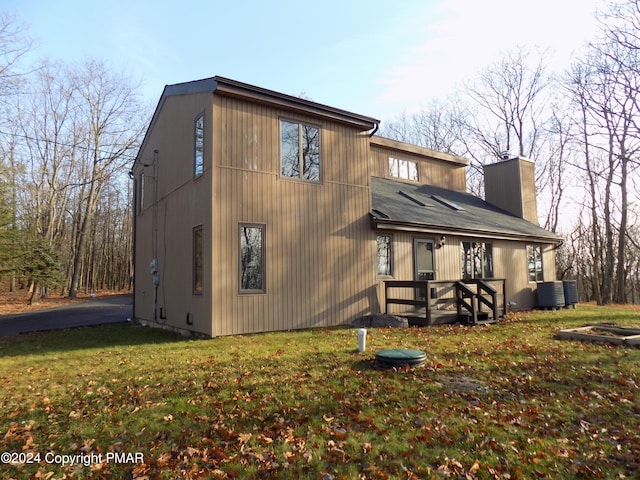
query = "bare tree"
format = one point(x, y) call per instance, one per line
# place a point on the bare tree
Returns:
point(14, 44)
point(604, 85)
point(510, 95)
point(111, 107)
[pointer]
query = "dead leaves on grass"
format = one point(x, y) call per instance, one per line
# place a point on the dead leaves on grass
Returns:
point(504, 410)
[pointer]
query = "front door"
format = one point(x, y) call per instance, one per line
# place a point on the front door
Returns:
point(423, 262)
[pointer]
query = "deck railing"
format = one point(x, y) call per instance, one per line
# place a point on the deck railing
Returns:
point(468, 297)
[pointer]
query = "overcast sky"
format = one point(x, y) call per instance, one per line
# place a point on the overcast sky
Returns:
point(372, 57)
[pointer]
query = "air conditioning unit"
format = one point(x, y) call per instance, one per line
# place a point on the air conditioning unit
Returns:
point(551, 295)
point(570, 288)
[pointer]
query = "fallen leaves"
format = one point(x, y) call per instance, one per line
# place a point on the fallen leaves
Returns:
point(489, 403)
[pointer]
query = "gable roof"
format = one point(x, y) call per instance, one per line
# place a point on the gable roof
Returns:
point(232, 88)
point(426, 208)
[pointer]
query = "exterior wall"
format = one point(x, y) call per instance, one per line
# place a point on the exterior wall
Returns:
point(320, 250)
point(431, 171)
point(510, 185)
point(181, 206)
point(509, 259)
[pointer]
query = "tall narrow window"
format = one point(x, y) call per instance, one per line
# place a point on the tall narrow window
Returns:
point(384, 255)
point(252, 258)
point(477, 260)
point(140, 193)
point(197, 261)
point(534, 260)
point(198, 147)
point(299, 151)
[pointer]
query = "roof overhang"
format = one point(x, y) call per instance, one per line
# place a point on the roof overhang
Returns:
point(378, 223)
point(403, 147)
point(231, 88)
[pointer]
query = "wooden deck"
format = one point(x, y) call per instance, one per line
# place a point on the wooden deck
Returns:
point(442, 302)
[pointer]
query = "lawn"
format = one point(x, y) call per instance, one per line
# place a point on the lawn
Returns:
point(501, 401)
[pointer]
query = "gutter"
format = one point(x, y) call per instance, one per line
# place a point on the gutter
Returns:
point(403, 226)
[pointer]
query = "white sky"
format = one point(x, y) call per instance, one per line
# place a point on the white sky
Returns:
point(373, 57)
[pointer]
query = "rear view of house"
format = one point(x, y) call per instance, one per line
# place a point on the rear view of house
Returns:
point(258, 211)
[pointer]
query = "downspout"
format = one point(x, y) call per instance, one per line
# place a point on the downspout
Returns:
point(134, 214)
point(375, 129)
point(154, 260)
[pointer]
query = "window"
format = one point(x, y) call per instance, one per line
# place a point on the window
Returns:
point(534, 259)
point(384, 255)
point(252, 258)
point(197, 260)
point(140, 193)
point(476, 260)
point(403, 169)
point(299, 151)
point(198, 146)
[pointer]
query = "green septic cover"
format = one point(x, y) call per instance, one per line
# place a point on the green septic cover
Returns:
point(401, 354)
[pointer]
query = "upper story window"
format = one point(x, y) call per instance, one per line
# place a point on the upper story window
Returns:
point(405, 169)
point(198, 146)
point(299, 151)
point(477, 260)
point(140, 194)
point(534, 259)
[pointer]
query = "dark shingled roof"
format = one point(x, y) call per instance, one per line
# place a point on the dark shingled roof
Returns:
point(407, 206)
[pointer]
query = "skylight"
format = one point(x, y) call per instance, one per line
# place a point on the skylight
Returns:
point(447, 203)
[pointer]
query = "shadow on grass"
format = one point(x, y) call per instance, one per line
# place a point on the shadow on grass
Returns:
point(95, 337)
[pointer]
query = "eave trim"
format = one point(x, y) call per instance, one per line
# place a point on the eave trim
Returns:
point(389, 224)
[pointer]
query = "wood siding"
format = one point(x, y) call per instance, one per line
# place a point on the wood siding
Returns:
point(179, 209)
point(430, 171)
point(509, 260)
point(320, 250)
point(510, 185)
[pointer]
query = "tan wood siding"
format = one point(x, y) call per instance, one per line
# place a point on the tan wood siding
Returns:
point(430, 171)
point(319, 251)
point(509, 259)
point(510, 185)
point(178, 210)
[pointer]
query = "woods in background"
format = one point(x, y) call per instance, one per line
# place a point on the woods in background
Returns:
point(580, 127)
point(68, 134)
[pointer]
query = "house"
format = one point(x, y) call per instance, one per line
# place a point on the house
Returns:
point(258, 211)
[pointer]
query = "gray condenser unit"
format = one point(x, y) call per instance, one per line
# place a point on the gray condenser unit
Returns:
point(550, 295)
point(570, 288)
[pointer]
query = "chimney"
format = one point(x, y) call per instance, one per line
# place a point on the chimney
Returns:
point(510, 185)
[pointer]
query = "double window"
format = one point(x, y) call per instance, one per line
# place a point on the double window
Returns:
point(299, 151)
point(404, 169)
point(252, 270)
point(384, 253)
point(476, 260)
point(534, 260)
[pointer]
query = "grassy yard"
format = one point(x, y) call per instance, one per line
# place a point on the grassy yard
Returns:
point(502, 401)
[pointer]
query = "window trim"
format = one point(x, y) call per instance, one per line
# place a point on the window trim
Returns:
point(198, 167)
point(197, 269)
point(391, 263)
point(539, 275)
point(486, 247)
point(398, 162)
point(300, 176)
point(263, 229)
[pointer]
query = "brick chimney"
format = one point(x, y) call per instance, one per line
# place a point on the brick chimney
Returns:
point(510, 185)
